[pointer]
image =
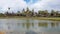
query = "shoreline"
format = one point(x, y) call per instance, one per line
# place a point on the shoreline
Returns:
point(37, 18)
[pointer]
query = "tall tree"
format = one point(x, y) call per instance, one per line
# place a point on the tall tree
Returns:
point(57, 13)
point(46, 13)
point(53, 13)
point(40, 12)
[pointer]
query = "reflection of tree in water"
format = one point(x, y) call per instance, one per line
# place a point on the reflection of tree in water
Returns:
point(54, 24)
point(42, 24)
point(33, 24)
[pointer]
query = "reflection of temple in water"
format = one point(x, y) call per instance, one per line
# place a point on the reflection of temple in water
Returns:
point(11, 26)
point(29, 25)
point(20, 26)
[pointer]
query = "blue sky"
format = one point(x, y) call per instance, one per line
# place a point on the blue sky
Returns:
point(16, 5)
point(31, 1)
point(27, 1)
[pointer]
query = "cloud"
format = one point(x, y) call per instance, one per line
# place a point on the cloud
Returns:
point(46, 5)
point(36, 4)
point(13, 4)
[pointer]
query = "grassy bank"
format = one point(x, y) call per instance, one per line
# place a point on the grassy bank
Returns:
point(38, 18)
point(48, 18)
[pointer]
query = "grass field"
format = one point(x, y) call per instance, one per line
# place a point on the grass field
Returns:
point(37, 18)
point(48, 18)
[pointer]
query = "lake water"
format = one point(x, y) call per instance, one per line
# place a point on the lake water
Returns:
point(25, 26)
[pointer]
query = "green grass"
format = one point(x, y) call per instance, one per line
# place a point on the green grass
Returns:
point(37, 18)
point(48, 18)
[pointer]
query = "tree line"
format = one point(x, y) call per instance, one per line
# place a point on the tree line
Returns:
point(32, 13)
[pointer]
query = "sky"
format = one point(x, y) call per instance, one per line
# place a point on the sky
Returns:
point(18, 5)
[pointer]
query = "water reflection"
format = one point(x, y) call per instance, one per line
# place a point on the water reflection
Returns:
point(24, 25)
point(42, 24)
point(54, 24)
point(30, 32)
point(28, 25)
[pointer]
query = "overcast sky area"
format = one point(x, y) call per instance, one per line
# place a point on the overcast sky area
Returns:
point(16, 5)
